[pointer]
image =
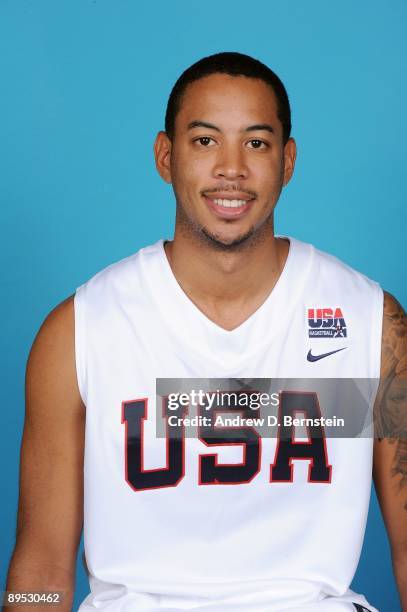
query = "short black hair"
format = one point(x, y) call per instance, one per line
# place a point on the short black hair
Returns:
point(234, 64)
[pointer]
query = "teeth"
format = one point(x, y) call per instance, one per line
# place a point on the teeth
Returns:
point(230, 203)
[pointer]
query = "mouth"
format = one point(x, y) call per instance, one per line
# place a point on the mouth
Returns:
point(229, 208)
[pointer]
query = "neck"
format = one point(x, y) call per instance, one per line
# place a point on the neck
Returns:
point(214, 277)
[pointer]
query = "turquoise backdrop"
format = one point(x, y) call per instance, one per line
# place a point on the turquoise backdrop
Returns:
point(83, 91)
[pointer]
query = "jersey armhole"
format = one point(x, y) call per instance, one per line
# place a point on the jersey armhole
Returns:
point(376, 341)
point(377, 331)
point(80, 340)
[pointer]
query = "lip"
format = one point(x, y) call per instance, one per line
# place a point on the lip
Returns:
point(229, 213)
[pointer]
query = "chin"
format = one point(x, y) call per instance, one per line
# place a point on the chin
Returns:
point(223, 243)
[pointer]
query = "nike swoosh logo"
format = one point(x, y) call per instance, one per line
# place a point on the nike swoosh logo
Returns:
point(311, 357)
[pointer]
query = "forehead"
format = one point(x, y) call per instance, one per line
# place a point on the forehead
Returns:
point(232, 101)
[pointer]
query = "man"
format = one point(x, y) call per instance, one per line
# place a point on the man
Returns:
point(224, 299)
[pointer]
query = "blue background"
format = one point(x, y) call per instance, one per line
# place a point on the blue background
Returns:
point(84, 86)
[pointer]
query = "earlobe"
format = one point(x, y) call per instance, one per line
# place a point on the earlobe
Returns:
point(290, 154)
point(162, 154)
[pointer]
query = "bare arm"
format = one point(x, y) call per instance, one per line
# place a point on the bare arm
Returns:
point(50, 511)
point(390, 448)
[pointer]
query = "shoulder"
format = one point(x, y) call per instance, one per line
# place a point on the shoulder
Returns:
point(56, 334)
point(394, 337)
point(330, 275)
point(57, 328)
point(51, 370)
point(334, 265)
point(126, 269)
point(126, 282)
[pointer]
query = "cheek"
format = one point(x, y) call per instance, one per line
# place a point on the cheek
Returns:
point(198, 164)
point(184, 162)
point(192, 173)
point(188, 178)
point(267, 175)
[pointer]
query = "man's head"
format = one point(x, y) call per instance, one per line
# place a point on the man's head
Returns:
point(227, 149)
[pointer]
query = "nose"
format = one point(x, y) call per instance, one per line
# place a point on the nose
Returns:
point(230, 163)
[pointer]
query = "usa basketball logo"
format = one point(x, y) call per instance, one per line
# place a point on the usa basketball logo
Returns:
point(326, 323)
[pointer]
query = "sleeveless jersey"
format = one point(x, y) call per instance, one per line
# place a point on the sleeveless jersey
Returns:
point(179, 524)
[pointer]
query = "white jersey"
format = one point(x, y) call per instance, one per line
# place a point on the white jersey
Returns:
point(164, 530)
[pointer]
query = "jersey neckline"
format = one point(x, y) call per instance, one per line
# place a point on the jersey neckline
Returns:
point(201, 334)
point(200, 314)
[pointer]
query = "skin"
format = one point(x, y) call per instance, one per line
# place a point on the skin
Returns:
point(213, 259)
point(50, 510)
point(390, 446)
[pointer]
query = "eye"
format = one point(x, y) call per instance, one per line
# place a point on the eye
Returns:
point(204, 141)
point(258, 144)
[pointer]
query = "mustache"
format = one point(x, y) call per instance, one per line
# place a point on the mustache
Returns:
point(231, 188)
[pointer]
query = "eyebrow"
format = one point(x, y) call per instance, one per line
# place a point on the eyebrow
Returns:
point(251, 128)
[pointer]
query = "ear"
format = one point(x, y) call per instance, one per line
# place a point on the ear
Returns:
point(290, 154)
point(162, 154)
